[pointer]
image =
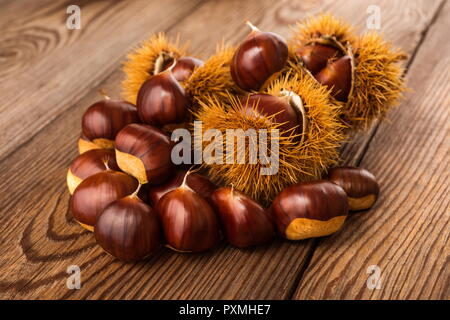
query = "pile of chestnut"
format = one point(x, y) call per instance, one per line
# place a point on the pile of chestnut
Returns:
point(128, 192)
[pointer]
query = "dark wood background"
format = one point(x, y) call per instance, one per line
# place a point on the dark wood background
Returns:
point(49, 75)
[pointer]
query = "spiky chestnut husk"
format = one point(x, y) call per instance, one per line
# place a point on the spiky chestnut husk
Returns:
point(302, 159)
point(146, 60)
point(213, 79)
point(322, 27)
point(378, 81)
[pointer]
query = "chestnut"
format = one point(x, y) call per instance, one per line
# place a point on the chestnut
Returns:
point(93, 194)
point(144, 152)
point(315, 57)
point(188, 220)
point(195, 181)
point(310, 209)
point(337, 76)
point(244, 221)
point(359, 184)
point(184, 67)
point(128, 229)
point(162, 100)
point(257, 58)
point(263, 105)
point(103, 120)
point(89, 163)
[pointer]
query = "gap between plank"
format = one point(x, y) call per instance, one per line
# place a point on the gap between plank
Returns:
point(366, 144)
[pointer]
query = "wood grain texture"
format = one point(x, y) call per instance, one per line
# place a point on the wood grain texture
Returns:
point(40, 239)
point(45, 66)
point(406, 234)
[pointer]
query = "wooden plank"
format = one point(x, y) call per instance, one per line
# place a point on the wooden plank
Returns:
point(406, 234)
point(41, 240)
point(46, 67)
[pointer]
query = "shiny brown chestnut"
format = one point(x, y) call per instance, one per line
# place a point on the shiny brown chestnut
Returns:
point(89, 163)
point(103, 120)
point(197, 182)
point(93, 194)
point(285, 112)
point(359, 184)
point(244, 221)
point(128, 229)
point(184, 68)
point(257, 58)
point(188, 220)
point(337, 76)
point(144, 152)
point(315, 57)
point(161, 99)
point(310, 209)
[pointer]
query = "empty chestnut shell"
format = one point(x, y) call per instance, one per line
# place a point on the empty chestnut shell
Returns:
point(257, 58)
point(195, 181)
point(311, 209)
point(161, 100)
point(144, 152)
point(337, 76)
point(245, 222)
point(359, 184)
point(316, 56)
point(188, 221)
point(89, 163)
point(128, 229)
point(93, 194)
point(103, 120)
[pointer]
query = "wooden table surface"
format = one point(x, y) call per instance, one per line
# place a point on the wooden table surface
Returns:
point(49, 75)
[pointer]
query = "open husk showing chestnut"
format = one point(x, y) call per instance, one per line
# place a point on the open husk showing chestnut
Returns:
point(364, 73)
point(305, 126)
